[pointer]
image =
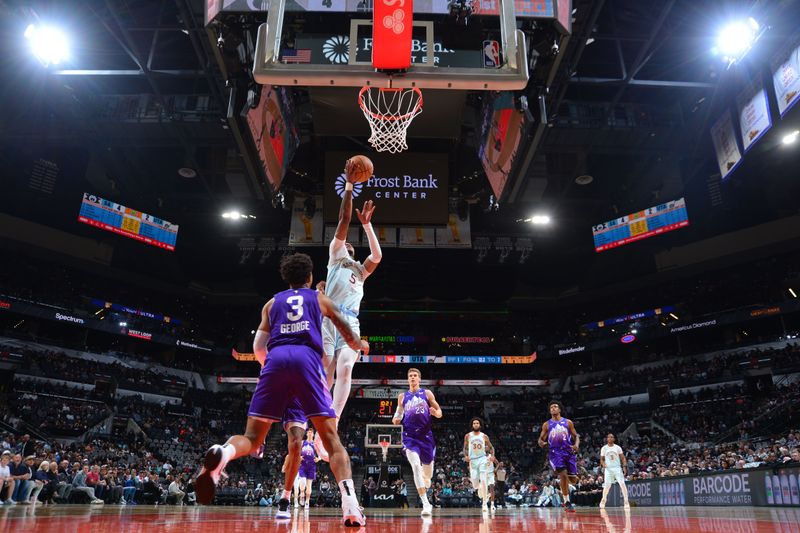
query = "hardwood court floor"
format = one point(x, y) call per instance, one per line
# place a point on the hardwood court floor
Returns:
point(130, 519)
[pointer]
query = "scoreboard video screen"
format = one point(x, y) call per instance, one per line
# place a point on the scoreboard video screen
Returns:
point(116, 218)
point(640, 225)
point(386, 408)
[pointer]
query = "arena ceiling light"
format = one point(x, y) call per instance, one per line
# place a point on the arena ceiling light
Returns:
point(48, 44)
point(737, 38)
point(791, 138)
point(235, 215)
point(538, 219)
point(791, 291)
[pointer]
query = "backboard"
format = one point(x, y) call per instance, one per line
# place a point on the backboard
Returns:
point(348, 58)
point(377, 433)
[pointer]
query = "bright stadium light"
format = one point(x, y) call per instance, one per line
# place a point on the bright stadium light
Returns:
point(235, 215)
point(790, 138)
point(48, 44)
point(736, 39)
point(540, 220)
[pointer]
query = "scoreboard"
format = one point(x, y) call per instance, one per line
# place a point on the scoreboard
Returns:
point(386, 408)
point(111, 216)
point(640, 225)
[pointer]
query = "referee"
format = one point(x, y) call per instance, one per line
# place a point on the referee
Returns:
point(500, 485)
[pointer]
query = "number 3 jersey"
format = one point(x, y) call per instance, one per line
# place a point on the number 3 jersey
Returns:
point(295, 320)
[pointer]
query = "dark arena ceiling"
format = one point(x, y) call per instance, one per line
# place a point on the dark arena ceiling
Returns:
point(628, 98)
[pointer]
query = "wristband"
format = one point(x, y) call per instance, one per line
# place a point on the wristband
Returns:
point(348, 186)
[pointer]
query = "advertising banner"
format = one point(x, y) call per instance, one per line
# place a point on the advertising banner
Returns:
point(305, 230)
point(786, 76)
point(754, 119)
point(725, 145)
point(771, 487)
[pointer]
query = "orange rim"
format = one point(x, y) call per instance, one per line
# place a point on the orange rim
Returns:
point(378, 116)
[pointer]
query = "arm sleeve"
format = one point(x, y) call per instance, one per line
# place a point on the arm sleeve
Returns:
point(260, 346)
point(336, 251)
point(374, 245)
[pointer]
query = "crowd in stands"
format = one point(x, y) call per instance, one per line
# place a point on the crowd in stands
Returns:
point(156, 455)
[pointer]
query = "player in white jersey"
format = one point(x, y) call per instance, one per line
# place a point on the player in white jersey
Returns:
point(613, 461)
point(476, 446)
point(491, 460)
point(345, 286)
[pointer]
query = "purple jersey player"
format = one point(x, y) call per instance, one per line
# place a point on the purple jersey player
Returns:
point(564, 441)
point(290, 327)
point(308, 468)
point(414, 411)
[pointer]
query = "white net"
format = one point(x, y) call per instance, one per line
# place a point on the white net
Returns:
point(389, 113)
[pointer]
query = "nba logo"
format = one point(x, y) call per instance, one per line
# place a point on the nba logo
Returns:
point(491, 54)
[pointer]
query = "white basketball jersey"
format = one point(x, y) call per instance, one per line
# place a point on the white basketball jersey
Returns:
point(611, 455)
point(345, 283)
point(476, 445)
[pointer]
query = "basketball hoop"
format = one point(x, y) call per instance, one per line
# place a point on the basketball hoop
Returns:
point(389, 113)
point(384, 449)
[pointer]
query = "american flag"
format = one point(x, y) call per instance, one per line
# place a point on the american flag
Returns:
point(290, 55)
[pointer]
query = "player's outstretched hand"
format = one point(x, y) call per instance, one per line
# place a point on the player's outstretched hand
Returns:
point(365, 215)
point(321, 286)
point(574, 448)
point(364, 347)
point(348, 170)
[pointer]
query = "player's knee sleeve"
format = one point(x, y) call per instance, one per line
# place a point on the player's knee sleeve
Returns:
point(347, 359)
point(416, 468)
point(427, 472)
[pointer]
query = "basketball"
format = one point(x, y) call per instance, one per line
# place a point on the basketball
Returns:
point(362, 168)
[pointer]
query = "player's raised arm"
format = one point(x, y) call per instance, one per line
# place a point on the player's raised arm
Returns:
point(345, 208)
point(330, 310)
point(375, 255)
point(262, 335)
point(435, 409)
point(397, 419)
point(575, 437)
point(543, 436)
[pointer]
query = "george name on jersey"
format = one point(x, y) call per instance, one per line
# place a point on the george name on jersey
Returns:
point(296, 327)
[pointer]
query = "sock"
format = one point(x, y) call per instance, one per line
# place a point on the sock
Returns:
point(228, 453)
point(424, 499)
point(346, 488)
point(287, 495)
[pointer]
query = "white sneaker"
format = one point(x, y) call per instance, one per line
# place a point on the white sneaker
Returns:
point(306, 506)
point(98, 501)
point(427, 509)
point(492, 508)
point(484, 509)
point(206, 483)
point(10, 502)
point(626, 506)
point(352, 516)
point(602, 505)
